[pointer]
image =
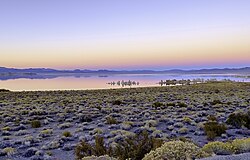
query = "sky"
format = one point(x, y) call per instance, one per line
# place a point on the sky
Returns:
point(128, 34)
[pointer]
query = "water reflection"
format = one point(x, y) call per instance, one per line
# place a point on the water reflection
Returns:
point(124, 83)
point(103, 81)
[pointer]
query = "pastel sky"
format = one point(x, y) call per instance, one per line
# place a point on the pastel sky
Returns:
point(124, 34)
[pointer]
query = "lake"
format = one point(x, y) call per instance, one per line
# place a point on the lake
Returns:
point(101, 82)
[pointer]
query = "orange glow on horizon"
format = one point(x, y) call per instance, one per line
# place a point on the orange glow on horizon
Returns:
point(172, 50)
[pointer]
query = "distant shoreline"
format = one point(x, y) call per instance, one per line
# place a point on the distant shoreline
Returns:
point(104, 89)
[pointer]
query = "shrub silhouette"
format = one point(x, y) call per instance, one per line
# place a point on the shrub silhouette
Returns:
point(134, 148)
point(239, 119)
point(117, 102)
point(84, 149)
point(181, 104)
point(216, 102)
point(157, 104)
point(67, 134)
point(111, 120)
point(35, 124)
point(214, 129)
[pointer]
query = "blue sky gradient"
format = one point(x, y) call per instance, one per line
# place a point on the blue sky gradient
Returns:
point(91, 34)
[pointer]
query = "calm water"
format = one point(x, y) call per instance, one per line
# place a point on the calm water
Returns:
point(100, 82)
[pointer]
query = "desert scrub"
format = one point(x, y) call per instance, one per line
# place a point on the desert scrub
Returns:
point(239, 119)
point(66, 134)
point(127, 125)
point(111, 120)
point(241, 145)
point(182, 104)
point(21, 133)
point(134, 147)
point(216, 101)
point(51, 145)
point(35, 124)
point(65, 125)
point(9, 151)
point(7, 128)
point(178, 124)
point(176, 150)
point(157, 105)
point(84, 149)
point(157, 134)
point(187, 120)
point(123, 133)
point(212, 118)
point(151, 123)
point(97, 131)
point(213, 129)
point(47, 131)
point(117, 102)
point(183, 130)
point(219, 148)
point(5, 138)
point(105, 157)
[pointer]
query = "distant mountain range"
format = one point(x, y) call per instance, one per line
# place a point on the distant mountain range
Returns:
point(42, 73)
point(245, 70)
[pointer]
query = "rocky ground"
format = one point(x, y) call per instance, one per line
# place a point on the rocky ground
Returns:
point(49, 124)
point(244, 156)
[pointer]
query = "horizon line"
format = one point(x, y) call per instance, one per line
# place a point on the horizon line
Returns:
point(201, 68)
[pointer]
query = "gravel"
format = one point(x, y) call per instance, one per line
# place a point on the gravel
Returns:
point(243, 156)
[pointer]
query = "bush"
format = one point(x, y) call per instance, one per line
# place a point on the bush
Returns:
point(84, 149)
point(66, 134)
point(171, 104)
point(241, 145)
point(214, 129)
point(239, 119)
point(35, 124)
point(176, 150)
point(181, 104)
point(65, 125)
point(85, 118)
point(212, 118)
point(9, 151)
point(187, 120)
point(117, 102)
point(214, 102)
point(157, 104)
point(46, 133)
point(6, 128)
point(151, 123)
point(183, 130)
point(219, 148)
point(133, 147)
point(111, 120)
point(236, 146)
point(105, 157)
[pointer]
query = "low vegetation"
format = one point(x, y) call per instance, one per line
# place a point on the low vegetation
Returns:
point(109, 123)
point(35, 124)
point(176, 150)
point(134, 147)
point(214, 129)
point(239, 119)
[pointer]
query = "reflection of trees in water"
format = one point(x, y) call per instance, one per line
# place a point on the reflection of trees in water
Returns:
point(124, 83)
